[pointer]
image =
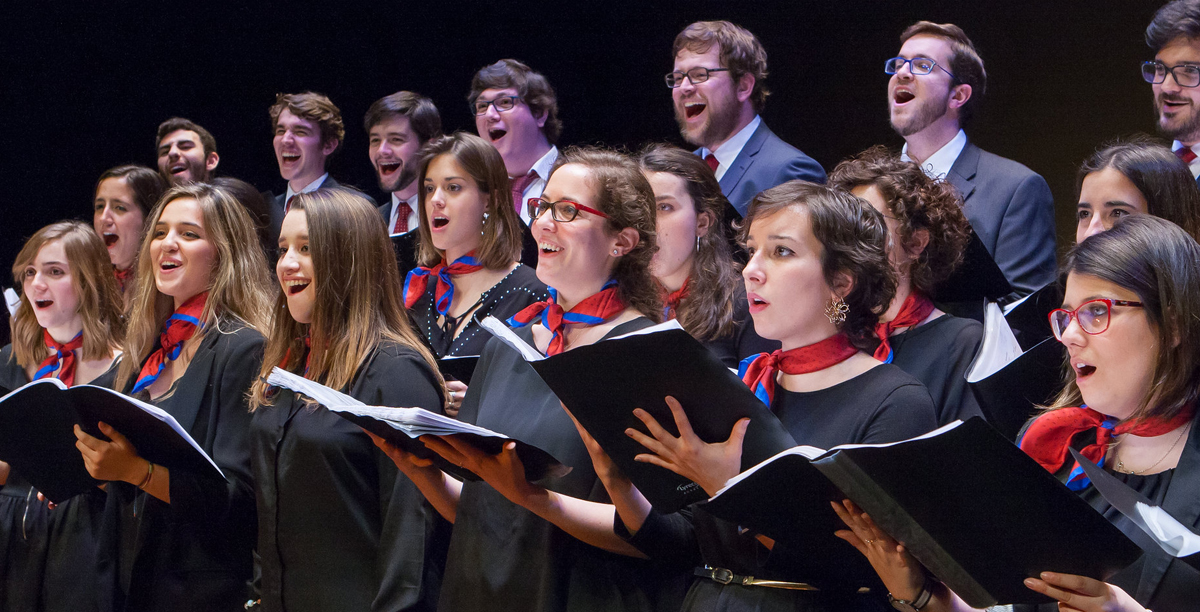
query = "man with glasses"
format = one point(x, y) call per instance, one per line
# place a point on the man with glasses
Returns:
point(1174, 35)
point(718, 90)
point(936, 84)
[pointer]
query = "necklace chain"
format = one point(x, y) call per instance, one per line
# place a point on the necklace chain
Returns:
point(1121, 465)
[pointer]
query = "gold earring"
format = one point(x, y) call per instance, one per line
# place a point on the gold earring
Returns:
point(836, 310)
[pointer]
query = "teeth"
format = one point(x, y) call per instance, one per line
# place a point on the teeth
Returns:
point(545, 246)
point(290, 157)
point(296, 283)
point(169, 265)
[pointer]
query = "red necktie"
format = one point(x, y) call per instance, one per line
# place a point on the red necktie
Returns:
point(403, 210)
point(288, 204)
point(712, 162)
point(178, 329)
point(596, 309)
point(1049, 436)
point(916, 308)
point(519, 184)
point(1186, 154)
point(758, 371)
point(61, 353)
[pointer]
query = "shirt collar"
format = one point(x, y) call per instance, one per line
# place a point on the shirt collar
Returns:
point(313, 186)
point(938, 165)
point(730, 149)
point(542, 166)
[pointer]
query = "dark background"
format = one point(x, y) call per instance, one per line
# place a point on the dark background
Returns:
point(83, 89)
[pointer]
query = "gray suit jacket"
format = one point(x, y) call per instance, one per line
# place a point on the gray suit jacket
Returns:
point(766, 161)
point(1011, 210)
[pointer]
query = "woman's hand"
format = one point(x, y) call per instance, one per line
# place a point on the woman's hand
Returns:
point(457, 390)
point(901, 573)
point(115, 461)
point(1083, 594)
point(708, 465)
point(504, 471)
point(405, 461)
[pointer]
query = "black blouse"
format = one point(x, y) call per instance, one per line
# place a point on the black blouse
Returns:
point(939, 354)
point(506, 298)
point(339, 527)
point(881, 405)
point(504, 557)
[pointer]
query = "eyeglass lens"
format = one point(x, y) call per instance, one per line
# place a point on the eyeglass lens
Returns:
point(1185, 75)
point(1092, 318)
point(918, 65)
point(502, 104)
point(698, 74)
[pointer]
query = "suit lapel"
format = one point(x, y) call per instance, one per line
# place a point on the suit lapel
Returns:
point(1183, 503)
point(962, 173)
point(745, 158)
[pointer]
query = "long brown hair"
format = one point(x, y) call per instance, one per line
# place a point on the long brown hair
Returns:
point(91, 278)
point(358, 303)
point(707, 310)
point(502, 236)
point(237, 290)
point(624, 194)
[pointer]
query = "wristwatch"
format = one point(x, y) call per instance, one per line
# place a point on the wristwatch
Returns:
point(922, 598)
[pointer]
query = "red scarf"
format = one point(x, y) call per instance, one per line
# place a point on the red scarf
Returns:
point(1049, 436)
point(178, 329)
point(916, 308)
point(758, 371)
point(672, 300)
point(307, 355)
point(61, 353)
point(597, 308)
point(418, 281)
point(122, 277)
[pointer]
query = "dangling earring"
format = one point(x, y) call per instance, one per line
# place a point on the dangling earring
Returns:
point(836, 310)
point(483, 226)
point(697, 244)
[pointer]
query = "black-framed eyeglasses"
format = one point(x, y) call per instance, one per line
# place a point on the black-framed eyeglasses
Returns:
point(699, 74)
point(1093, 316)
point(563, 211)
point(1186, 75)
point(919, 66)
point(502, 103)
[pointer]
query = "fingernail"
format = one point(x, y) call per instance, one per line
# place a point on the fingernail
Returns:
point(1031, 582)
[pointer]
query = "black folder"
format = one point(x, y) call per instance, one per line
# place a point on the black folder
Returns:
point(976, 280)
point(602, 383)
point(37, 435)
point(1030, 320)
point(1012, 395)
point(458, 368)
point(968, 504)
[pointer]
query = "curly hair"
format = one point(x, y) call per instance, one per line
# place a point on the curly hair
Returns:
point(707, 311)
point(853, 238)
point(624, 194)
point(917, 202)
point(532, 87)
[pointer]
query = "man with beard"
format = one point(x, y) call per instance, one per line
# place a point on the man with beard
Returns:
point(718, 90)
point(937, 82)
point(1174, 35)
point(397, 127)
point(187, 153)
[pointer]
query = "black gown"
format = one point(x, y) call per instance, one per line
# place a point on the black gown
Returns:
point(502, 556)
point(881, 405)
point(506, 298)
point(47, 556)
point(339, 527)
point(939, 354)
point(193, 554)
point(1156, 580)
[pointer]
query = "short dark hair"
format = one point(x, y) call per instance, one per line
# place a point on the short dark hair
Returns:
point(174, 124)
point(917, 202)
point(740, 52)
point(532, 87)
point(853, 238)
point(965, 63)
point(314, 107)
point(1180, 18)
point(1166, 183)
point(422, 114)
point(146, 184)
point(1155, 259)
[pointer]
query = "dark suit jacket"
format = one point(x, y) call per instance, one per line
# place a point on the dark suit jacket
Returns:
point(766, 161)
point(1011, 210)
point(194, 553)
point(277, 202)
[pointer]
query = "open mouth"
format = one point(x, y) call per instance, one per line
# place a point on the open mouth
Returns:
point(110, 239)
point(179, 169)
point(296, 286)
point(290, 158)
point(903, 97)
point(693, 109)
point(440, 222)
point(1083, 370)
point(169, 265)
point(496, 134)
point(43, 303)
point(546, 247)
point(388, 168)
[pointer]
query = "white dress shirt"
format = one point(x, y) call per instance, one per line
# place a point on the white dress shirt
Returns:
point(730, 149)
point(534, 189)
point(1195, 165)
point(414, 215)
point(938, 165)
point(313, 186)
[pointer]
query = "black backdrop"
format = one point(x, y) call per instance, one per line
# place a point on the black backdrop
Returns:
point(83, 89)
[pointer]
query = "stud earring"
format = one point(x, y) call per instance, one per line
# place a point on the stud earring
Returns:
point(616, 252)
point(836, 310)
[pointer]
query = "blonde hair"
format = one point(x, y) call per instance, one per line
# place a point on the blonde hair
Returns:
point(238, 287)
point(358, 304)
point(92, 279)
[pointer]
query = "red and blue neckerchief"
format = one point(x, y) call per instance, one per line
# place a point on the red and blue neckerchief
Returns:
point(672, 300)
point(418, 281)
point(62, 355)
point(178, 329)
point(596, 309)
point(916, 308)
point(122, 276)
point(1048, 437)
point(758, 371)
